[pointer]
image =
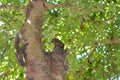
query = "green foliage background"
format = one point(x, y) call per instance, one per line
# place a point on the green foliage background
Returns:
point(90, 30)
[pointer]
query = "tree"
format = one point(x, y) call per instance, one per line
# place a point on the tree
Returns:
point(89, 29)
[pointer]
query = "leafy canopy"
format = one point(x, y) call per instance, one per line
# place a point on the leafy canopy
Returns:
point(90, 30)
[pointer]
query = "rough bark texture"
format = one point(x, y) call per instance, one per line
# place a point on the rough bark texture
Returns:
point(41, 65)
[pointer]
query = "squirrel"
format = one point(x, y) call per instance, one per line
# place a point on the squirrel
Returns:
point(20, 49)
point(58, 46)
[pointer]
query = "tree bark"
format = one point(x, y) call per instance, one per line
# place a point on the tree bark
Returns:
point(40, 65)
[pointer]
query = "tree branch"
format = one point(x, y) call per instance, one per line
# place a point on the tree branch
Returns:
point(105, 20)
point(48, 5)
point(11, 7)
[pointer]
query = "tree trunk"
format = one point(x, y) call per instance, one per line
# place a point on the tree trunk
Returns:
point(40, 65)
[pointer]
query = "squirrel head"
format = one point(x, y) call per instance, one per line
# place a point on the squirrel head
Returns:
point(57, 42)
